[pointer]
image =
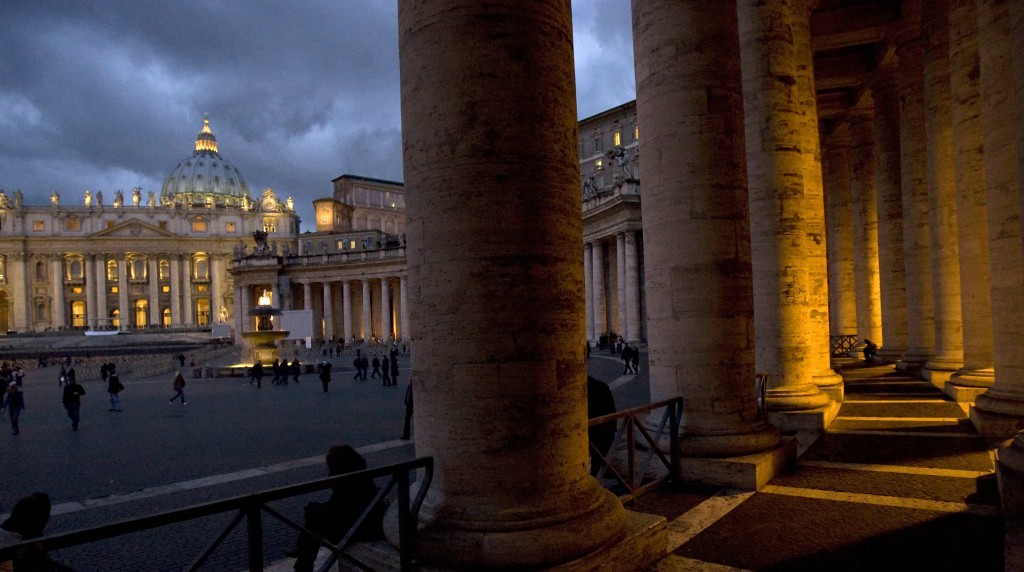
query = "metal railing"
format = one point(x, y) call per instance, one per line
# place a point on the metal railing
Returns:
point(840, 346)
point(632, 423)
point(251, 509)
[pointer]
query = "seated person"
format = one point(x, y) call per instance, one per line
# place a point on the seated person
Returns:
point(27, 521)
point(599, 402)
point(332, 519)
point(870, 350)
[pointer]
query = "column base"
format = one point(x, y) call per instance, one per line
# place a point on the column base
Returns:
point(831, 384)
point(968, 384)
point(912, 362)
point(746, 472)
point(938, 370)
point(645, 543)
point(962, 393)
point(995, 427)
point(814, 420)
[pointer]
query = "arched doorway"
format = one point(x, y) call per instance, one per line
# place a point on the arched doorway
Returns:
point(165, 317)
point(5, 312)
point(141, 306)
point(78, 314)
point(202, 311)
point(115, 319)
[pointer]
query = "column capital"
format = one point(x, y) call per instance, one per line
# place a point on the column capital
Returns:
point(885, 81)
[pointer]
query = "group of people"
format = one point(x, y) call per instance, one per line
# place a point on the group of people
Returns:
point(10, 372)
point(386, 369)
point(630, 357)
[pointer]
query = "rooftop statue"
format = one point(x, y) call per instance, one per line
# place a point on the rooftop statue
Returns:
point(118, 199)
point(136, 196)
point(88, 198)
point(55, 199)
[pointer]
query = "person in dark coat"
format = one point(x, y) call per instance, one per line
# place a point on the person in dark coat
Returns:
point(296, 368)
point(386, 369)
point(358, 364)
point(14, 403)
point(27, 521)
point(394, 371)
point(376, 367)
point(256, 374)
point(325, 374)
point(599, 402)
point(114, 388)
point(72, 401)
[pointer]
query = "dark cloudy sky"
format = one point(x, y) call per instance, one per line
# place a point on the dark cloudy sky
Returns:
point(110, 95)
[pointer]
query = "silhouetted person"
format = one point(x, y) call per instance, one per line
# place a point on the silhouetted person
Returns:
point(27, 521)
point(599, 402)
point(386, 369)
point(296, 368)
point(14, 403)
point(394, 370)
point(72, 401)
point(870, 350)
point(325, 374)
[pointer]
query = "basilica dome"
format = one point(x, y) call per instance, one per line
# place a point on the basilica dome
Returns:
point(205, 178)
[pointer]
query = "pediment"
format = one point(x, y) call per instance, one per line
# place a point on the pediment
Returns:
point(133, 228)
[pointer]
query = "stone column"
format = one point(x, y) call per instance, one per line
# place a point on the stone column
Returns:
point(978, 373)
point(328, 312)
point(346, 308)
point(588, 289)
point(102, 289)
point(635, 329)
point(520, 353)
point(599, 303)
point(945, 249)
point(188, 318)
point(775, 171)
point(154, 292)
point(891, 271)
point(367, 326)
point(998, 412)
point(842, 311)
point(385, 309)
point(217, 288)
point(914, 183)
point(307, 296)
point(91, 287)
point(57, 274)
point(176, 291)
point(403, 296)
point(123, 305)
point(245, 322)
point(620, 283)
point(865, 229)
point(815, 248)
point(696, 226)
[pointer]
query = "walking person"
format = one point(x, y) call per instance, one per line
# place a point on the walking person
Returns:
point(19, 375)
point(72, 401)
point(635, 361)
point(386, 365)
point(296, 368)
point(179, 389)
point(256, 374)
point(276, 369)
point(376, 367)
point(364, 366)
point(14, 403)
point(394, 370)
point(358, 364)
point(627, 358)
point(325, 374)
point(114, 388)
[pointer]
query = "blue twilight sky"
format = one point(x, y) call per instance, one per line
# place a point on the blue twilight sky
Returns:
point(107, 95)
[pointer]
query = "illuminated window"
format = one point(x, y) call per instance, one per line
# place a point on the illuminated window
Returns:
point(78, 314)
point(141, 307)
point(3, 269)
point(202, 312)
point(229, 227)
point(636, 133)
point(109, 224)
point(270, 224)
point(164, 270)
point(138, 269)
point(113, 289)
point(352, 244)
point(73, 224)
point(201, 288)
point(165, 289)
point(166, 317)
point(199, 225)
point(38, 225)
point(202, 268)
point(341, 245)
point(163, 225)
point(617, 138)
point(598, 165)
point(115, 318)
point(75, 268)
point(111, 271)
point(76, 290)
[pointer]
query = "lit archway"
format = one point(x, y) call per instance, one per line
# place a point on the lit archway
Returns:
point(141, 306)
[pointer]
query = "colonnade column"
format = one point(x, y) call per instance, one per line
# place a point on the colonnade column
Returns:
point(891, 269)
point(634, 326)
point(91, 287)
point(914, 183)
point(100, 303)
point(588, 289)
point(127, 316)
point(517, 354)
point(775, 173)
point(945, 248)
point(842, 311)
point(403, 295)
point(57, 274)
point(997, 413)
point(385, 309)
point(187, 316)
point(599, 302)
point(346, 308)
point(367, 326)
point(815, 246)
point(865, 230)
point(620, 283)
point(307, 295)
point(328, 312)
point(978, 373)
point(176, 291)
point(696, 228)
point(244, 304)
point(154, 293)
point(217, 286)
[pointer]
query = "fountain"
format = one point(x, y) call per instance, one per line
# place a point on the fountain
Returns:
point(263, 341)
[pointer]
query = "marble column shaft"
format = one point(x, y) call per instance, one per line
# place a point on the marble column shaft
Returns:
point(176, 290)
point(971, 197)
point(217, 288)
point(888, 184)
point(588, 289)
point(154, 293)
point(620, 283)
point(498, 326)
point(328, 311)
point(842, 291)
point(865, 229)
point(367, 325)
point(914, 183)
point(599, 301)
point(92, 285)
point(634, 326)
point(101, 291)
point(346, 308)
point(385, 309)
point(775, 172)
point(123, 305)
point(57, 279)
point(187, 316)
point(403, 297)
point(697, 267)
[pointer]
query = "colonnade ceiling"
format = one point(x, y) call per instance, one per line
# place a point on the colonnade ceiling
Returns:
point(851, 39)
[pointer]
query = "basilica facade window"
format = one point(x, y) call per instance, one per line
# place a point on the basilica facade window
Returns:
point(75, 268)
point(111, 271)
point(201, 264)
point(164, 270)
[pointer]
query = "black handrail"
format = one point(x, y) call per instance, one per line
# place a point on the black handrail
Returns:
point(250, 508)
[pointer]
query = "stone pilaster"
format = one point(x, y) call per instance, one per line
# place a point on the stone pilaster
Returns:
point(865, 229)
point(634, 320)
point(57, 280)
point(620, 283)
point(101, 291)
point(385, 309)
point(978, 373)
point(891, 271)
point(367, 322)
point(697, 244)
point(842, 312)
point(153, 300)
point(217, 275)
point(513, 300)
point(346, 309)
point(91, 287)
point(328, 311)
point(942, 212)
point(588, 289)
point(123, 305)
point(914, 183)
point(775, 171)
point(176, 291)
point(599, 302)
point(403, 297)
point(188, 317)
point(998, 412)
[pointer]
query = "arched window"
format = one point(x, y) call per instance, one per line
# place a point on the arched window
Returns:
point(202, 268)
point(41, 271)
point(138, 268)
point(165, 317)
point(115, 318)
point(78, 314)
point(165, 270)
point(111, 271)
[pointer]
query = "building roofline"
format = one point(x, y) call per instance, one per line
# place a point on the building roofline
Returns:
point(367, 179)
point(612, 111)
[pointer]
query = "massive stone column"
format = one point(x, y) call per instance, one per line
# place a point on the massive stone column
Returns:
point(588, 289)
point(998, 412)
point(367, 323)
point(599, 301)
point(346, 308)
point(634, 321)
point(123, 306)
point(188, 317)
point(154, 294)
point(176, 291)
point(217, 279)
point(92, 285)
point(888, 184)
point(620, 283)
point(842, 290)
point(101, 291)
point(815, 247)
point(696, 239)
point(865, 229)
point(972, 217)
point(942, 212)
point(403, 297)
point(57, 279)
point(513, 300)
point(778, 235)
point(914, 183)
point(328, 310)
point(385, 309)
